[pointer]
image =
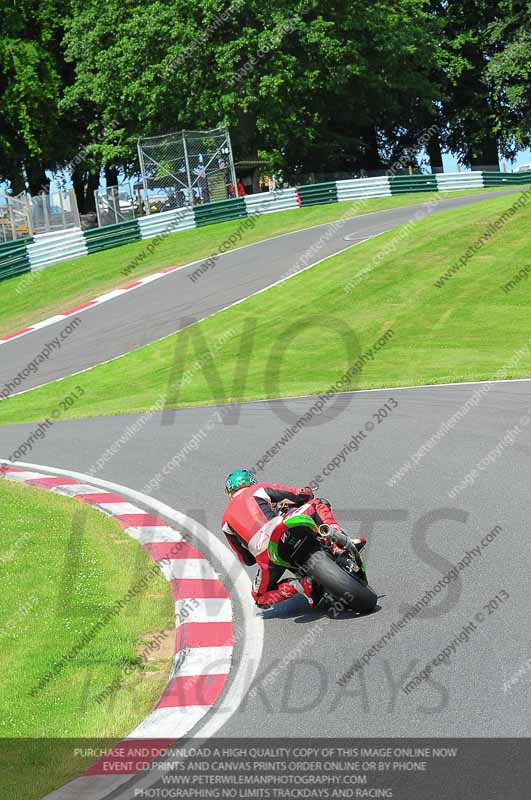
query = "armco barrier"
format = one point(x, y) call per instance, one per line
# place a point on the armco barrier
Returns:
point(220, 211)
point(99, 239)
point(455, 181)
point(360, 188)
point(521, 178)
point(49, 248)
point(166, 222)
point(23, 254)
point(504, 178)
point(14, 258)
point(317, 194)
point(268, 202)
point(406, 184)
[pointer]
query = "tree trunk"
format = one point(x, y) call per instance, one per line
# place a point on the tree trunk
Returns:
point(85, 184)
point(17, 182)
point(78, 183)
point(485, 155)
point(370, 157)
point(93, 182)
point(247, 142)
point(433, 148)
point(36, 177)
point(111, 175)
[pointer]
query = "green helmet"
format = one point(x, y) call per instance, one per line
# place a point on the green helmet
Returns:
point(238, 479)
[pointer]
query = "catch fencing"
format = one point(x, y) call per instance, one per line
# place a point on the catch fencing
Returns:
point(117, 204)
point(186, 168)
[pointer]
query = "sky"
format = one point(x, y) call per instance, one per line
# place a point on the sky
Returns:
point(450, 162)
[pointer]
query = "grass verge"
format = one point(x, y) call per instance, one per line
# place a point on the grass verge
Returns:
point(35, 296)
point(63, 565)
point(300, 336)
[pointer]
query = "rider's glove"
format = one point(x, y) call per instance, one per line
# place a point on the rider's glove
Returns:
point(285, 504)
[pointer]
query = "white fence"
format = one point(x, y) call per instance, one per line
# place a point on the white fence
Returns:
point(15, 218)
point(26, 215)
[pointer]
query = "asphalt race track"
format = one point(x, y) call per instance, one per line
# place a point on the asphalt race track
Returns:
point(416, 531)
point(163, 307)
point(464, 698)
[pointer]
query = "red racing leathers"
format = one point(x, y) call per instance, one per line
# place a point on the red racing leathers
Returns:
point(250, 522)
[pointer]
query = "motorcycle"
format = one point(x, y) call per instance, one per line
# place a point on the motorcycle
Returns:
point(329, 557)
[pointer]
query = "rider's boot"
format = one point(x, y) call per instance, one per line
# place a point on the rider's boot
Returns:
point(360, 543)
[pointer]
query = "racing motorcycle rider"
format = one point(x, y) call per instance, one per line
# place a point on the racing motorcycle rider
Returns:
point(253, 517)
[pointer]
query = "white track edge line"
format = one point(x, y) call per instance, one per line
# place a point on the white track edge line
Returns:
point(336, 395)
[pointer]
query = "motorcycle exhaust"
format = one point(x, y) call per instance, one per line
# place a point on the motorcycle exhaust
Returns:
point(338, 537)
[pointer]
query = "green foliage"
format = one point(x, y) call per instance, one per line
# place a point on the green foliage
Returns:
point(31, 65)
point(300, 82)
point(485, 75)
point(307, 85)
point(510, 72)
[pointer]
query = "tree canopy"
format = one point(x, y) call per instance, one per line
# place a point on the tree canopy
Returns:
point(305, 85)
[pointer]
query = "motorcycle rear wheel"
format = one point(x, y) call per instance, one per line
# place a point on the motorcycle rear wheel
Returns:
point(350, 591)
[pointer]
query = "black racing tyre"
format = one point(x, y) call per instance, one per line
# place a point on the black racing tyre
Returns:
point(350, 591)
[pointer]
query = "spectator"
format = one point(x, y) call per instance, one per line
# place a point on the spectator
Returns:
point(241, 189)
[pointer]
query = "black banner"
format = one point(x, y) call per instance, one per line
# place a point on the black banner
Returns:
point(287, 769)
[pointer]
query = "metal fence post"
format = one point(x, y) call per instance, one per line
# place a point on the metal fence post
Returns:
point(231, 159)
point(96, 203)
point(144, 180)
point(114, 196)
point(131, 199)
point(188, 175)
